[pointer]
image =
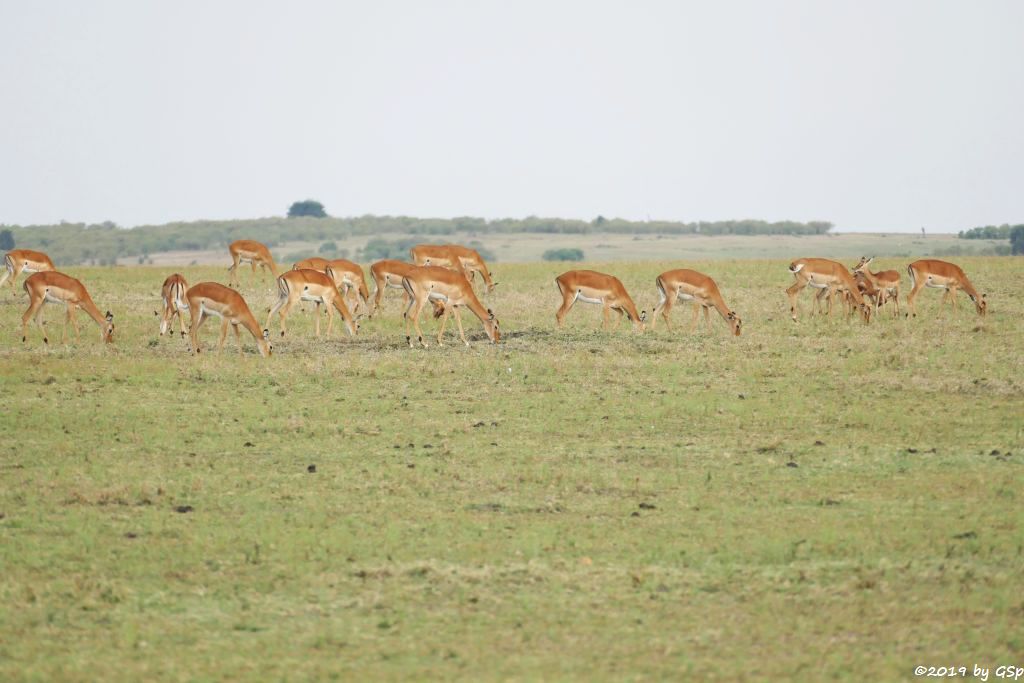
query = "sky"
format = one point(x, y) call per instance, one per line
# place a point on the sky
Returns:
point(876, 115)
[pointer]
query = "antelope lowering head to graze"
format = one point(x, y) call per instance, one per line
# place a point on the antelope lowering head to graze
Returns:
point(886, 281)
point(592, 287)
point(453, 256)
point(24, 260)
point(251, 252)
point(452, 291)
point(348, 276)
point(211, 298)
point(389, 274)
point(824, 274)
point(53, 287)
point(311, 285)
point(689, 285)
point(173, 294)
point(942, 275)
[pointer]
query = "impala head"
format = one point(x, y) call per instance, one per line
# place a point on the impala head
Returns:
point(641, 322)
point(865, 312)
point(981, 305)
point(266, 348)
point(108, 329)
point(491, 327)
point(734, 322)
point(862, 264)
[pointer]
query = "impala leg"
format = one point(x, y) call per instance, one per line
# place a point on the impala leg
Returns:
point(793, 291)
point(896, 301)
point(316, 312)
point(444, 323)
point(12, 274)
point(694, 317)
point(223, 335)
point(707, 317)
point(330, 318)
point(618, 319)
point(193, 331)
point(606, 315)
point(660, 308)
point(34, 307)
point(417, 306)
point(458, 321)
point(73, 319)
point(233, 271)
point(238, 337)
point(568, 300)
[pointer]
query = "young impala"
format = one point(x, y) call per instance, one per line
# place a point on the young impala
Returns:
point(253, 253)
point(210, 298)
point(348, 276)
point(452, 291)
point(887, 282)
point(53, 287)
point(592, 287)
point(311, 285)
point(942, 275)
point(689, 285)
point(453, 256)
point(824, 274)
point(24, 260)
point(173, 294)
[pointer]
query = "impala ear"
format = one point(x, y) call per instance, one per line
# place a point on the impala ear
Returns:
point(643, 316)
point(110, 316)
point(266, 334)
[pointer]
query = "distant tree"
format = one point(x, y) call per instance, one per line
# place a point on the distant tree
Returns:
point(6, 240)
point(600, 220)
point(563, 255)
point(1017, 240)
point(309, 207)
point(327, 248)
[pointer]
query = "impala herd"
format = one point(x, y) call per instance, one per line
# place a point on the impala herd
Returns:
point(442, 276)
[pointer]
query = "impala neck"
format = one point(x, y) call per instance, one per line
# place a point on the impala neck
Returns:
point(89, 307)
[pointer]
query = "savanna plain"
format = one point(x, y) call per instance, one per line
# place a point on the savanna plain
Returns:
point(820, 500)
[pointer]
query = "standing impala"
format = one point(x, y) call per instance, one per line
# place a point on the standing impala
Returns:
point(592, 287)
point(212, 298)
point(389, 274)
point(311, 285)
point(689, 285)
point(53, 287)
point(18, 260)
point(348, 276)
point(887, 282)
point(453, 256)
point(173, 294)
point(450, 289)
point(824, 274)
point(251, 252)
point(942, 275)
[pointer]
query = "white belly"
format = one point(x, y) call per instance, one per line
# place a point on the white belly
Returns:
point(51, 298)
point(683, 296)
point(588, 300)
point(310, 297)
point(437, 296)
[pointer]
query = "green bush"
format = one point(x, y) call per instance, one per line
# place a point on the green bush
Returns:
point(563, 255)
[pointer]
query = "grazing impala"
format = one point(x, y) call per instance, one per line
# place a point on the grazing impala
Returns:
point(253, 253)
point(211, 298)
point(348, 276)
point(311, 285)
point(942, 275)
point(592, 287)
point(453, 256)
point(452, 291)
point(689, 285)
point(18, 260)
point(53, 287)
point(173, 294)
point(824, 274)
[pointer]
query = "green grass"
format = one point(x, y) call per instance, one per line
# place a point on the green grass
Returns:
point(813, 501)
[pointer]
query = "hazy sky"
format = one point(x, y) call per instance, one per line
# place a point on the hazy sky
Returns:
point(876, 115)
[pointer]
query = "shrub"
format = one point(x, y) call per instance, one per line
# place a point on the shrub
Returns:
point(563, 255)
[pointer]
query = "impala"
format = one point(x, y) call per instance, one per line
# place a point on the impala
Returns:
point(452, 291)
point(253, 253)
point(453, 256)
point(348, 277)
point(592, 287)
point(211, 298)
point(173, 294)
point(689, 285)
point(942, 275)
point(886, 281)
point(311, 285)
point(19, 260)
point(824, 274)
point(389, 274)
point(53, 287)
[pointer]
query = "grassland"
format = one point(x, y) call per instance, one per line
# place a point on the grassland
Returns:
point(821, 500)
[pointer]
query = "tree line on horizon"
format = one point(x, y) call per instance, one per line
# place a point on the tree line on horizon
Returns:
point(104, 243)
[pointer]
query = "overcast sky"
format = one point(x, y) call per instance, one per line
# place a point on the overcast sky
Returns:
point(887, 115)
